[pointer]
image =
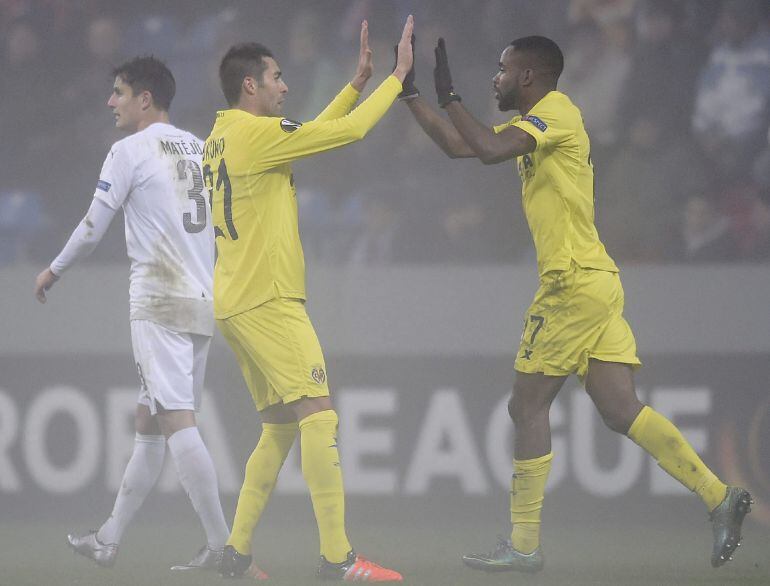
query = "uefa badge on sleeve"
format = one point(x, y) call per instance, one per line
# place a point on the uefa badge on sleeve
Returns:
point(290, 125)
point(318, 374)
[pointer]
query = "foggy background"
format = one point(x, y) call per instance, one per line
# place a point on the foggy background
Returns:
point(674, 95)
point(419, 268)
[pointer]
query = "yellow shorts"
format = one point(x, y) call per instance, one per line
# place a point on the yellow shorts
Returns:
point(278, 352)
point(577, 314)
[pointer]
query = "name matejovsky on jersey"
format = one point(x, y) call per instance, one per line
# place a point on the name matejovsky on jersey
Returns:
point(180, 148)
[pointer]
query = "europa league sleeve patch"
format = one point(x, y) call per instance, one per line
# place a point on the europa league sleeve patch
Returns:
point(289, 125)
point(539, 124)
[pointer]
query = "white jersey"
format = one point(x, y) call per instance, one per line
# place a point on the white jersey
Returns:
point(155, 176)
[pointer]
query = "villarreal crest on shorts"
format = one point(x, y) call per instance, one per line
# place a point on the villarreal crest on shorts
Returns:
point(577, 314)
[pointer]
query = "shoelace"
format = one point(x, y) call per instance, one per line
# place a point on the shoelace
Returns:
point(232, 558)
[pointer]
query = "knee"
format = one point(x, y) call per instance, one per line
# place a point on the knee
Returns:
point(307, 406)
point(617, 420)
point(146, 424)
point(512, 408)
point(171, 421)
point(520, 408)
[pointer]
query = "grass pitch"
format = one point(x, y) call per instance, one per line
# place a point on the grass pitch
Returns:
point(423, 539)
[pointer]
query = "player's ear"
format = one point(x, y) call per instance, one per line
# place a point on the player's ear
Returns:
point(249, 85)
point(145, 99)
point(527, 76)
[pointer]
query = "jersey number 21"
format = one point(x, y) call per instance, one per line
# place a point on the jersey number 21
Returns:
point(223, 182)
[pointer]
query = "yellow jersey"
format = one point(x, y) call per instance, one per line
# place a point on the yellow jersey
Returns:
point(558, 187)
point(247, 170)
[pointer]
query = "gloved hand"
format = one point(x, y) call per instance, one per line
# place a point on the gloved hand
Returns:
point(443, 78)
point(409, 90)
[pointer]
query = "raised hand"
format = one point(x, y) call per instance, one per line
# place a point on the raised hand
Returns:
point(365, 68)
point(409, 90)
point(443, 77)
point(404, 54)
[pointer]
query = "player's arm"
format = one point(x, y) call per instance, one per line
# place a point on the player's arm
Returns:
point(435, 126)
point(276, 142)
point(347, 98)
point(81, 243)
point(489, 146)
point(440, 130)
point(114, 185)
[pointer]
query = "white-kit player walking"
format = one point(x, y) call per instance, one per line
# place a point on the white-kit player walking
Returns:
point(155, 176)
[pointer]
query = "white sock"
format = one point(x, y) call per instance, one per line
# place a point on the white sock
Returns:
point(141, 474)
point(199, 479)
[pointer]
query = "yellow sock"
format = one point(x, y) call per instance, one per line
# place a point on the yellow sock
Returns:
point(527, 490)
point(321, 469)
point(664, 442)
point(261, 473)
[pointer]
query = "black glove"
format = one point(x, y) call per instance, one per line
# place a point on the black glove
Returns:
point(408, 89)
point(443, 78)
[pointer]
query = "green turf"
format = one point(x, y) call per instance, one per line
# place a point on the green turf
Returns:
point(419, 539)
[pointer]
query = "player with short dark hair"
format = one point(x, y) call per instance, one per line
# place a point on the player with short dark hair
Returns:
point(259, 286)
point(575, 323)
point(245, 59)
point(154, 175)
point(149, 74)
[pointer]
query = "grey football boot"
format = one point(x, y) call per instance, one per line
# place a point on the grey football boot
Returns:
point(205, 559)
point(88, 545)
point(505, 559)
point(726, 522)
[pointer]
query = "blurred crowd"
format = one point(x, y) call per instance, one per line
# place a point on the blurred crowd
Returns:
point(675, 96)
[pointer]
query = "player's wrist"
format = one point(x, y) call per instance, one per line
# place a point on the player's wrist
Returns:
point(359, 82)
point(445, 99)
point(400, 73)
point(409, 91)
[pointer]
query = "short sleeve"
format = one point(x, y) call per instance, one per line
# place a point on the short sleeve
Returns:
point(500, 127)
point(547, 123)
point(116, 177)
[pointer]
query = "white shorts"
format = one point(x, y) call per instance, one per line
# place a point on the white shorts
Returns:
point(171, 366)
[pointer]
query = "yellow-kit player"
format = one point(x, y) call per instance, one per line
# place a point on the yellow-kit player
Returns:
point(259, 286)
point(575, 323)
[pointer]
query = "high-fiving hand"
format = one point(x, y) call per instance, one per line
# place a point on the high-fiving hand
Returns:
point(443, 78)
point(404, 53)
point(365, 68)
point(408, 89)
